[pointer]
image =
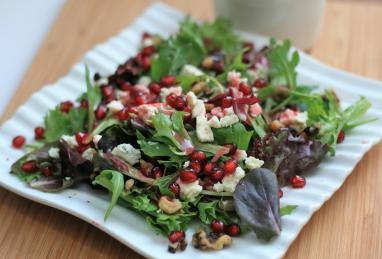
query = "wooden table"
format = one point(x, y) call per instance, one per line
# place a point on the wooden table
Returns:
point(347, 226)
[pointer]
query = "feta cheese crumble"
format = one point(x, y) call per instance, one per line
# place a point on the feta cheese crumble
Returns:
point(252, 162)
point(54, 152)
point(191, 99)
point(294, 119)
point(199, 109)
point(189, 191)
point(127, 152)
point(177, 90)
point(115, 106)
point(214, 122)
point(144, 80)
point(70, 140)
point(190, 70)
point(89, 154)
point(229, 120)
point(229, 182)
point(96, 139)
point(203, 130)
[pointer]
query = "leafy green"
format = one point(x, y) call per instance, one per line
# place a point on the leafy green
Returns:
point(163, 183)
point(208, 211)
point(163, 127)
point(94, 98)
point(58, 123)
point(287, 210)
point(112, 181)
point(259, 125)
point(235, 134)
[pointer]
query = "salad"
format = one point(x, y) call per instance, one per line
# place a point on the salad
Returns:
point(202, 126)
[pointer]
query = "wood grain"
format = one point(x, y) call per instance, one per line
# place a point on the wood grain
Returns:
point(348, 226)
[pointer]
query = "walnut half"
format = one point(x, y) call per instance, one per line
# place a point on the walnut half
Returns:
point(168, 205)
point(202, 241)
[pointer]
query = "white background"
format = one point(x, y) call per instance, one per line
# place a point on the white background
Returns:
point(23, 26)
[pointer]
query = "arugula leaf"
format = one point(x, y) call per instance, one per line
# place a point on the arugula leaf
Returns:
point(112, 181)
point(259, 125)
point(163, 183)
point(287, 210)
point(235, 134)
point(208, 211)
point(58, 123)
point(163, 128)
point(93, 96)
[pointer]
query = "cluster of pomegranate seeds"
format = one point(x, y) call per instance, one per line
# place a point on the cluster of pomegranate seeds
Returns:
point(18, 141)
point(196, 166)
point(170, 99)
point(39, 133)
point(188, 175)
point(176, 236)
point(341, 137)
point(66, 106)
point(29, 167)
point(217, 226)
point(180, 103)
point(297, 181)
point(245, 89)
point(83, 141)
point(107, 93)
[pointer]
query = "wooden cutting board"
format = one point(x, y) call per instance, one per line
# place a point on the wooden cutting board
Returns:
point(348, 226)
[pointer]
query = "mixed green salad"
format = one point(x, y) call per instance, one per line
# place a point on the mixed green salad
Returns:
point(200, 126)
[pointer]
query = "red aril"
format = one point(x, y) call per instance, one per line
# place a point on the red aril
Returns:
point(196, 166)
point(341, 137)
point(198, 155)
point(217, 226)
point(170, 99)
point(174, 188)
point(180, 103)
point(168, 80)
point(123, 114)
point(157, 172)
point(226, 102)
point(176, 236)
point(259, 83)
point(188, 175)
point(297, 181)
point(230, 167)
point(209, 168)
point(245, 89)
point(66, 106)
point(217, 174)
point(126, 86)
point(18, 141)
point(100, 112)
point(232, 230)
point(84, 103)
point(154, 88)
point(39, 133)
point(29, 166)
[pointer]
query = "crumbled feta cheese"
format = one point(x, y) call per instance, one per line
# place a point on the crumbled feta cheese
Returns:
point(144, 80)
point(214, 122)
point(190, 70)
point(102, 81)
point(234, 78)
point(199, 109)
point(229, 111)
point(89, 154)
point(203, 130)
point(146, 112)
point(217, 111)
point(70, 140)
point(186, 164)
point(294, 119)
point(191, 99)
point(127, 152)
point(177, 90)
point(115, 106)
point(229, 120)
point(229, 182)
point(96, 139)
point(54, 152)
point(148, 42)
point(121, 94)
point(252, 162)
point(190, 191)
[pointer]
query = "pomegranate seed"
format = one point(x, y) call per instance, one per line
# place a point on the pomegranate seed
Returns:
point(170, 99)
point(66, 106)
point(245, 89)
point(168, 80)
point(146, 35)
point(259, 83)
point(176, 236)
point(217, 226)
point(39, 133)
point(147, 51)
point(188, 175)
point(180, 103)
point(174, 188)
point(196, 166)
point(232, 230)
point(138, 58)
point(29, 167)
point(155, 88)
point(280, 193)
point(226, 102)
point(86, 139)
point(79, 137)
point(123, 114)
point(209, 168)
point(133, 110)
point(217, 174)
point(100, 112)
point(232, 148)
point(230, 167)
point(107, 90)
point(297, 181)
point(82, 148)
point(157, 172)
point(126, 86)
point(46, 171)
point(198, 155)
point(140, 99)
point(84, 103)
point(249, 46)
point(146, 63)
point(341, 137)
point(218, 67)
point(18, 141)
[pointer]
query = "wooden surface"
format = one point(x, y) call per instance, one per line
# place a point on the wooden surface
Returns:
point(347, 226)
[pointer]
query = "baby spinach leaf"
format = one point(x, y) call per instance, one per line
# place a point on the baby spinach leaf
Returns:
point(257, 202)
point(235, 134)
point(287, 210)
point(112, 181)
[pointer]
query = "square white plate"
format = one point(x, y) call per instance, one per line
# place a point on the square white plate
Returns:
point(130, 228)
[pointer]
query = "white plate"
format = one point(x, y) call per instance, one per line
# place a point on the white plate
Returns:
point(131, 229)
